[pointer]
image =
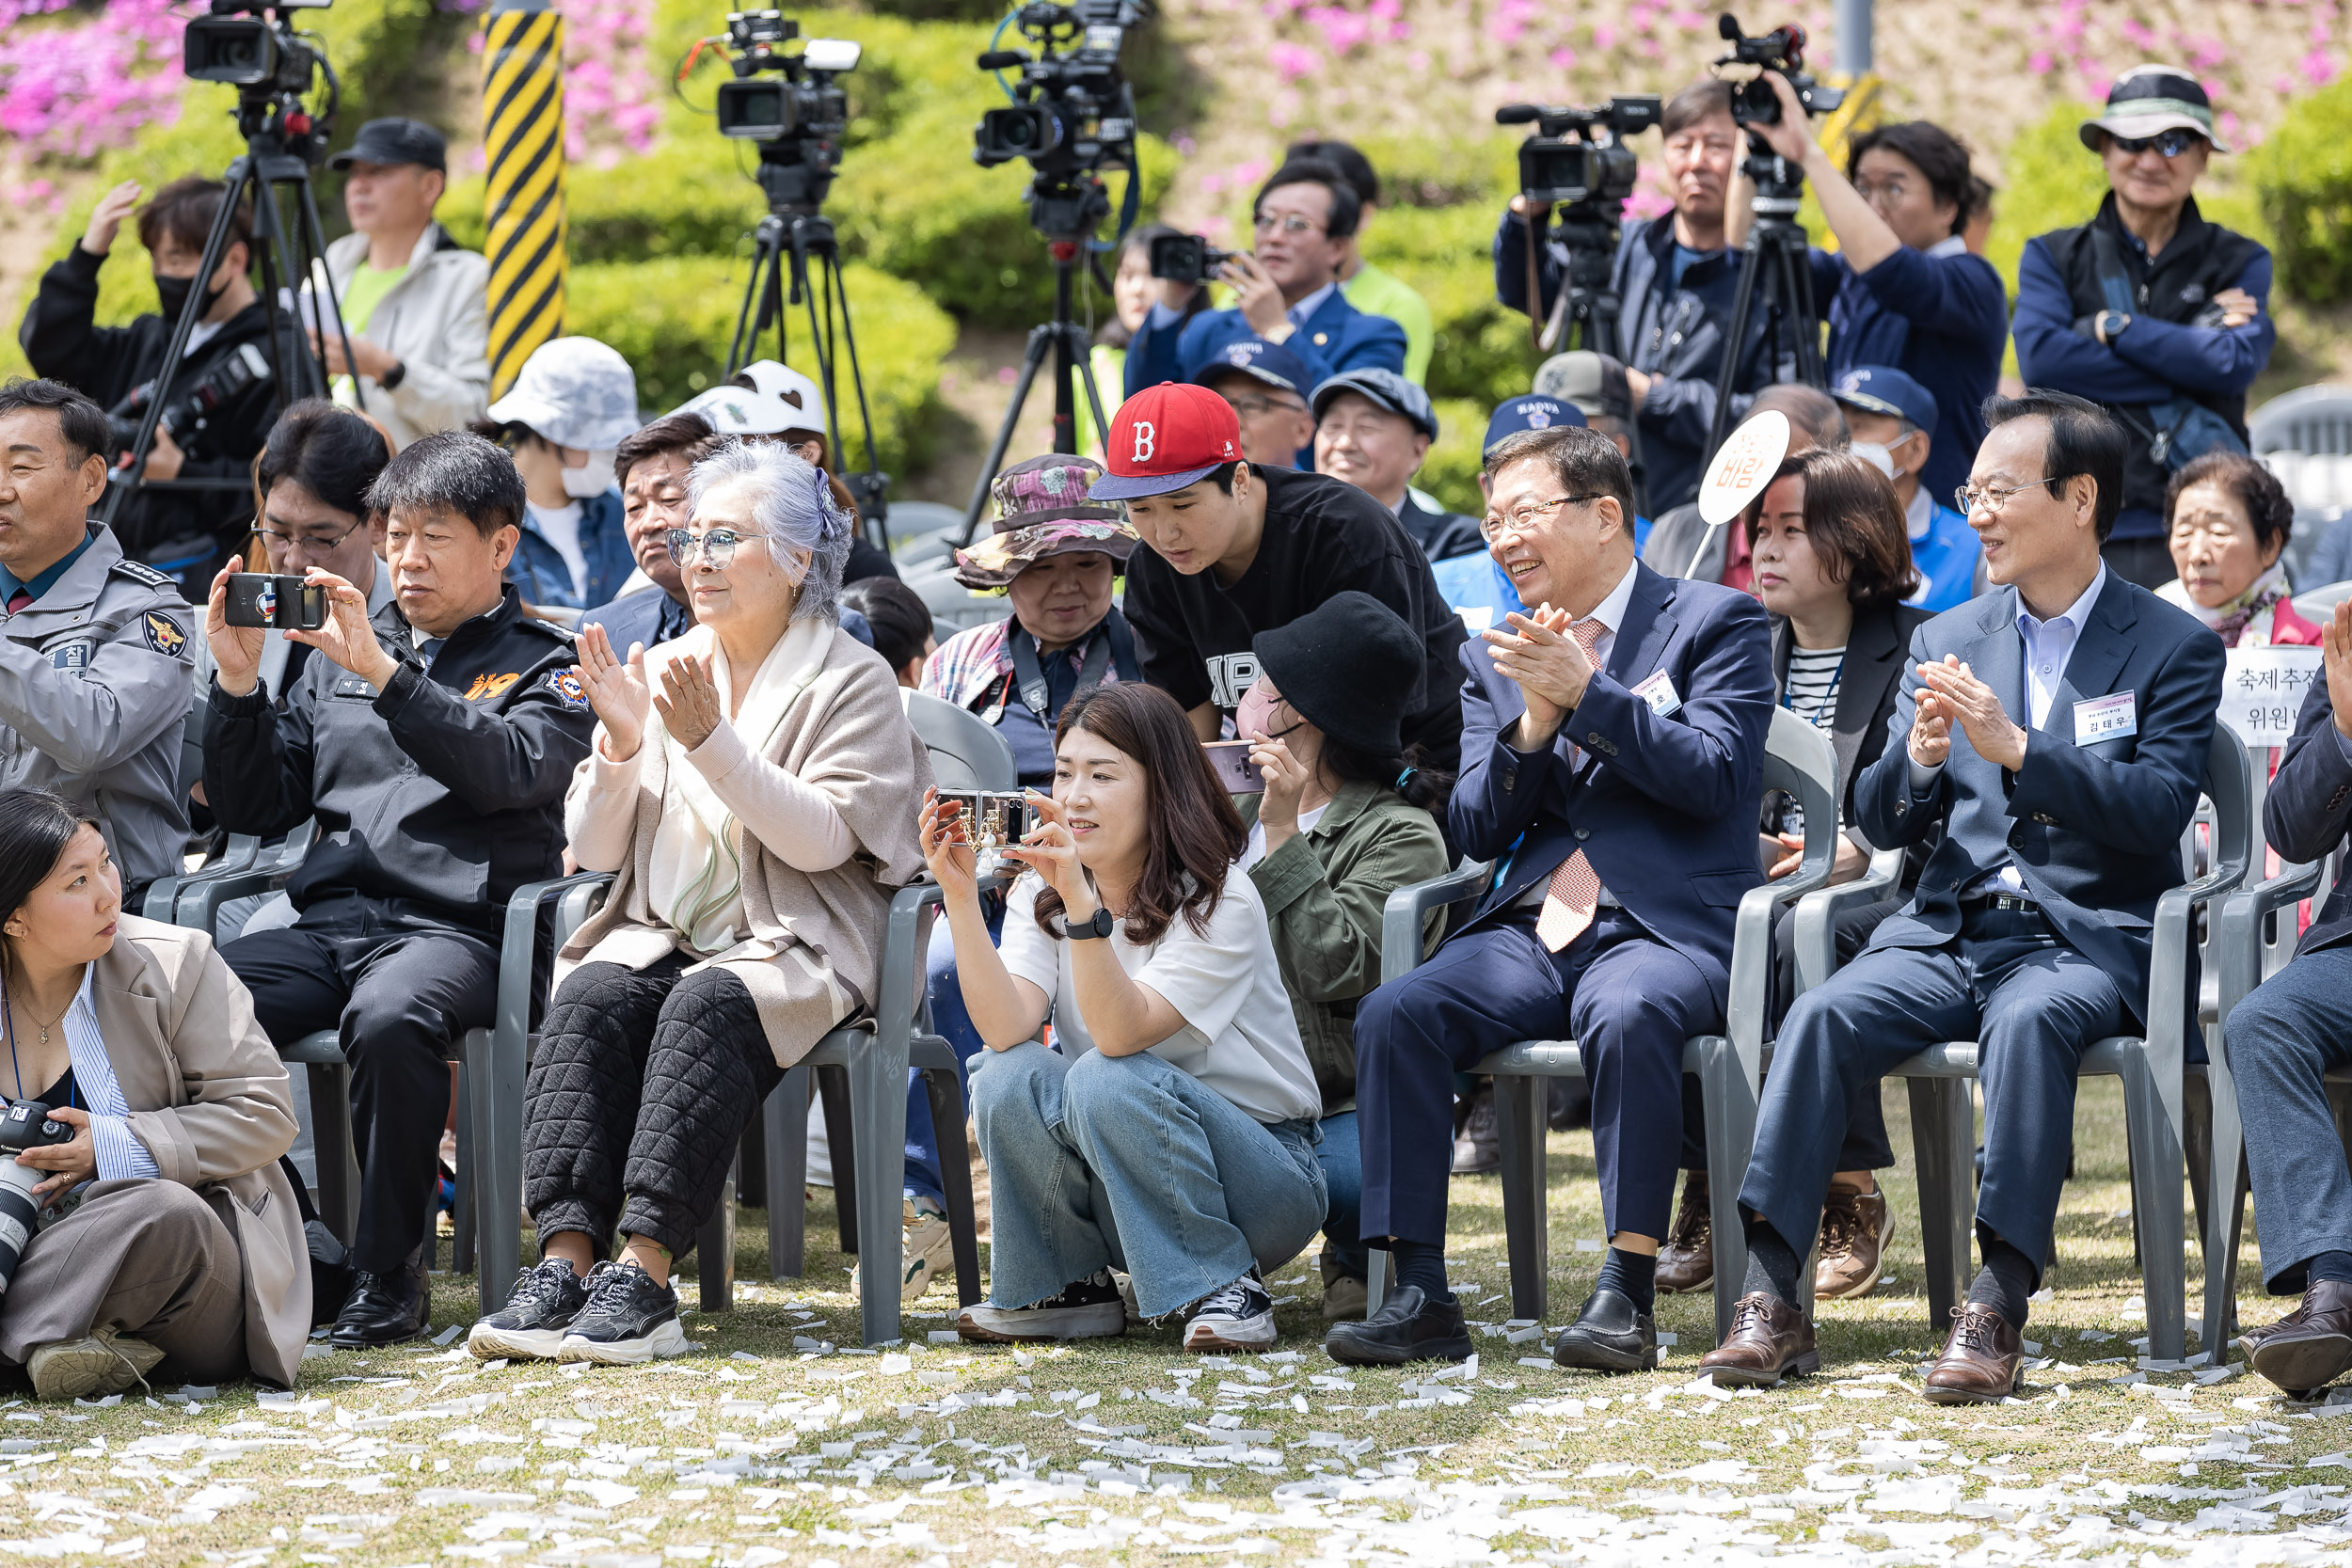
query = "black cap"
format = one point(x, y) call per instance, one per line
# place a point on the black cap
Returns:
point(395, 141)
point(1342, 665)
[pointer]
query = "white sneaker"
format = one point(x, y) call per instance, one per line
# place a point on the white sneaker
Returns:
point(1089, 1309)
point(927, 1251)
point(1239, 1317)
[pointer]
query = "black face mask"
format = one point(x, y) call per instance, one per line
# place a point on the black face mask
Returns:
point(174, 293)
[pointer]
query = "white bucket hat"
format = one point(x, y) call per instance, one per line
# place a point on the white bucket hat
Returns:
point(574, 392)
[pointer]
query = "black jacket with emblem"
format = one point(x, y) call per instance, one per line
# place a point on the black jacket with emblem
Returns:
point(445, 789)
point(93, 692)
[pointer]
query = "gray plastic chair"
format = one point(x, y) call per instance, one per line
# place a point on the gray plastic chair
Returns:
point(2314, 420)
point(1798, 760)
point(2318, 604)
point(2153, 1068)
point(967, 751)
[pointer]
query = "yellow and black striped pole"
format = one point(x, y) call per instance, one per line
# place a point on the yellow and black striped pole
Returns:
point(522, 93)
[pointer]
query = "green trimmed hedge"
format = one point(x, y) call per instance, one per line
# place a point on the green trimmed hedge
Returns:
point(672, 320)
point(1450, 472)
point(2301, 179)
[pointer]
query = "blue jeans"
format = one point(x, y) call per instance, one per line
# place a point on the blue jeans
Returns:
point(1342, 1156)
point(1127, 1163)
point(951, 1022)
point(2290, 1030)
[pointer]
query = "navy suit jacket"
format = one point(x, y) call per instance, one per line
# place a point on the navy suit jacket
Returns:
point(1663, 807)
point(1338, 337)
point(2309, 810)
point(2096, 831)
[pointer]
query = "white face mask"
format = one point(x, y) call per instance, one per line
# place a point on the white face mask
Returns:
point(594, 479)
point(1872, 452)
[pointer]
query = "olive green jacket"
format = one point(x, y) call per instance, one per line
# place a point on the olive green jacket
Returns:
point(1325, 892)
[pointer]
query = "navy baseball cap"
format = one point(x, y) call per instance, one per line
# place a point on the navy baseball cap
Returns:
point(395, 141)
point(1883, 389)
point(1531, 412)
point(1260, 361)
point(1382, 390)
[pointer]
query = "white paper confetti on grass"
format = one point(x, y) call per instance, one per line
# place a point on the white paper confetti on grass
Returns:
point(448, 1334)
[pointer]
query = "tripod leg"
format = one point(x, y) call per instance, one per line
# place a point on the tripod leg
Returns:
point(314, 236)
point(857, 383)
point(1094, 398)
point(1734, 342)
point(1042, 340)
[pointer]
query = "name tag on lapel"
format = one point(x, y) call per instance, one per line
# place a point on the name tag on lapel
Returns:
point(2107, 717)
point(1659, 692)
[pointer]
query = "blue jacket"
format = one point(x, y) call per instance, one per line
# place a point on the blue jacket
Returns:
point(1338, 337)
point(538, 568)
point(1946, 559)
point(1941, 320)
point(1672, 333)
point(2096, 831)
point(2309, 810)
point(1663, 806)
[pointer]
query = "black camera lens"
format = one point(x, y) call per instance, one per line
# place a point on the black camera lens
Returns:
point(754, 108)
point(238, 50)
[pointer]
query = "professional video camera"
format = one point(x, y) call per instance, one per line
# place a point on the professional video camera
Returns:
point(24, 1125)
point(1578, 158)
point(249, 45)
point(791, 105)
point(1781, 51)
point(1073, 112)
point(223, 384)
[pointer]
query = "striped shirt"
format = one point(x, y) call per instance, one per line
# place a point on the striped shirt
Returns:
point(1811, 693)
point(119, 1154)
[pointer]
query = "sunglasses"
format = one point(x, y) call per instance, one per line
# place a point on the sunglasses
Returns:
point(2171, 143)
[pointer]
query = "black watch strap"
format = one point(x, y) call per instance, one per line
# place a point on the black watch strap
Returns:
point(1080, 930)
point(393, 377)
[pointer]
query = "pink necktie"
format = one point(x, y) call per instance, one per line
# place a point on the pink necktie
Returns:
point(1575, 888)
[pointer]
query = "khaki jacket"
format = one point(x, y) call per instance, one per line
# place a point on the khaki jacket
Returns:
point(208, 1096)
point(435, 321)
point(1326, 891)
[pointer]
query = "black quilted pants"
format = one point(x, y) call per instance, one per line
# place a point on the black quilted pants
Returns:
point(639, 1092)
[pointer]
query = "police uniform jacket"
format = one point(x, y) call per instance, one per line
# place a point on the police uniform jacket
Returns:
point(440, 794)
point(93, 692)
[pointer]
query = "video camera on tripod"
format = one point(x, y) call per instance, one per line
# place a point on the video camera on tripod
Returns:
point(791, 105)
point(1782, 53)
point(1577, 162)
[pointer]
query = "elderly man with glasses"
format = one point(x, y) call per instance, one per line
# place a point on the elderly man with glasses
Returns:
point(2148, 310)
point(1286, 291)
point(2056, 732)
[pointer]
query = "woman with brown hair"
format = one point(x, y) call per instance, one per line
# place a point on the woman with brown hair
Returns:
point(1171, 1131)
point(1831, 557)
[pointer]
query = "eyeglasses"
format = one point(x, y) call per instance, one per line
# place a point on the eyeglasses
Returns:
point(1990, 503)
point(1289, 223)
point(1249, 407)
point(2171, 143)
point(1523, 518)
point(717, 546)
point(310, 544)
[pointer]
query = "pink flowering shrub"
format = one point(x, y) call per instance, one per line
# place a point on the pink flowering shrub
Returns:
point(77, 91)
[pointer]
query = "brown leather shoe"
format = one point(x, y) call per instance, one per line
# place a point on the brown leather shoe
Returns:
point(2311, 1346)
point(1686, 1261)
point(1856, 1228)
point(1980, 1361)
point(1769, 1340)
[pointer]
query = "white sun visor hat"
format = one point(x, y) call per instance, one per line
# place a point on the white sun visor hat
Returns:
point(734, 411)
point(790, 388)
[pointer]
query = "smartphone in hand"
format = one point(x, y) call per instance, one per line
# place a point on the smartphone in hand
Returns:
point(284, 602)
point(1235, 773)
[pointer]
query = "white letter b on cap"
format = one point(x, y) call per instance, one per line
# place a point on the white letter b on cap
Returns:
point(1145, 444)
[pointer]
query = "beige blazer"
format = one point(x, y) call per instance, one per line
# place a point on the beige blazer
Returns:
point(208, 1096)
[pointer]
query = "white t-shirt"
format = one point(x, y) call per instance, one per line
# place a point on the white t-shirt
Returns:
point(1239, 1035)
point(1254, 850)
point(560, 527)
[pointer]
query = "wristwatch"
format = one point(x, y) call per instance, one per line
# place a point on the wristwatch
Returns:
point(390, 379)
point(1081, 930)
point(2111, 324)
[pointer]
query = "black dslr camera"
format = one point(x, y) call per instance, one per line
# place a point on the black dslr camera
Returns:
point(185, 420)
point(1188, 258)
point(24, 1125)
point(1578, 158)
point(1782, 52)
point(1073, 111)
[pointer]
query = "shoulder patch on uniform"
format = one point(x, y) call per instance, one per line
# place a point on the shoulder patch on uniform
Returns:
point(164, 634)
point(139, 571)
point(569, 689)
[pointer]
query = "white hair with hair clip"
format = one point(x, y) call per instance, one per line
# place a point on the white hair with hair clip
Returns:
point(793, 505)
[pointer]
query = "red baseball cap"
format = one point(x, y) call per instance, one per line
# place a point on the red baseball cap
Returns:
point(1165, 437)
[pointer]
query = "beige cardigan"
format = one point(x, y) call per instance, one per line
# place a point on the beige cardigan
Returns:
point(208, 1096)
point(814, 956)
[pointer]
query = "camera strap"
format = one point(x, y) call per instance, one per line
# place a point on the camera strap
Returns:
point(1029, 675)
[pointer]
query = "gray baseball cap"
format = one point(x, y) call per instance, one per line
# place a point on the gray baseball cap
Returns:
point(575, 392)
point(1384, 389)
point(395, 141)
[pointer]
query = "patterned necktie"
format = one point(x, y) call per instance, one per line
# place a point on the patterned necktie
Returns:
point(1575, 888)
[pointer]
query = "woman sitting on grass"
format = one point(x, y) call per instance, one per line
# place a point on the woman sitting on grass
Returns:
point(1172, 1132)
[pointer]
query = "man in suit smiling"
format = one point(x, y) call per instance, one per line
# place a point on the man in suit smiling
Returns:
point(1613, 754)
point(2029, 928)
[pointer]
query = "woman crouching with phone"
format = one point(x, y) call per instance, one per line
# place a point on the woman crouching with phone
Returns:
point(1172, 1132)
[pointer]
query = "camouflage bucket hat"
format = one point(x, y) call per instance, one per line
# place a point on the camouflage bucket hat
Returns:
point(1042, 510)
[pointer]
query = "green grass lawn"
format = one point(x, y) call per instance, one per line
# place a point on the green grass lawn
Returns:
point(779, 1442)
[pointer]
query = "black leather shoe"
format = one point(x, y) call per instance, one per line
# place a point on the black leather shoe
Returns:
point(1407, 1328)
point(383, 1309)
point(1610, 1335)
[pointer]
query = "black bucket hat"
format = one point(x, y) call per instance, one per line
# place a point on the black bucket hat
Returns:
point(1348, 666)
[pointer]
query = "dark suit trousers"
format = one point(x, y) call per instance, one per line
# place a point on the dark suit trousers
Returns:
point(2030, 1002)
point(400, 991)
point(2282, 1040)
point(1628, 999)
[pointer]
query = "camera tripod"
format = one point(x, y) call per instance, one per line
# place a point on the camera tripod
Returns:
point(793, 234)
point(1065, 214)
point(291, 256)
point(1589, 308)
point(1778, 265)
